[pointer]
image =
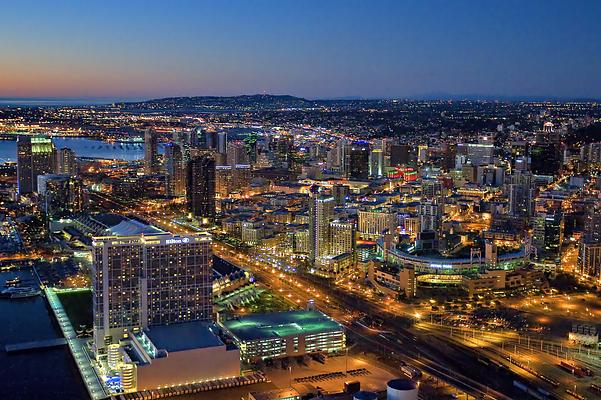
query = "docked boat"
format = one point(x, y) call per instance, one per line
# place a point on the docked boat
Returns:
point(20, 292)
point(13, 282)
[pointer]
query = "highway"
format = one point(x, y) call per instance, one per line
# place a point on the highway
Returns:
point(420, 346)
point(409, 350)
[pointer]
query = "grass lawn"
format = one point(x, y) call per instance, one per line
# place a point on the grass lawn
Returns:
point(78, 306)
point(268, 302)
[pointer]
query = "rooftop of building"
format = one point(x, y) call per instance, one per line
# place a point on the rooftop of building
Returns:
point(107, 224)
point(280, 324)
point(130, 227)
point(183, 336)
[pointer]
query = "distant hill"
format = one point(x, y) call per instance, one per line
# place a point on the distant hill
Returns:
point(239, 103)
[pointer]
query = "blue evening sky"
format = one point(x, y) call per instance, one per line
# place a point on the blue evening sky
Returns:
point(309, 48)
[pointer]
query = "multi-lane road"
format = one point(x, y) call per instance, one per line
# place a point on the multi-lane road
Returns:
point(423, 345)
point(398, 342)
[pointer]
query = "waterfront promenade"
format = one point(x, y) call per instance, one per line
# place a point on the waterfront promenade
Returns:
point(77, 346)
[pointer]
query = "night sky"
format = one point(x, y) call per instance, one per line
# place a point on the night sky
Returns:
point(315, 49)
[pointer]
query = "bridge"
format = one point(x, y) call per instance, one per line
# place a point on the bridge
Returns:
point(35, 345)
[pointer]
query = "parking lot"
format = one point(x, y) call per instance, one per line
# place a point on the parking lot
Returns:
point(330, 376)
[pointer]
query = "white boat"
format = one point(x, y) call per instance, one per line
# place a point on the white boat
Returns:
point(13, 282)
point(20, 292)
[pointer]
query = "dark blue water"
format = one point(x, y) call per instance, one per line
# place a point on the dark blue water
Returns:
point(92, 148)
point(83, 148)
point(41, 374)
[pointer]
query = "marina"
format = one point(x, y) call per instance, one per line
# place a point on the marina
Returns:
point(32, 354)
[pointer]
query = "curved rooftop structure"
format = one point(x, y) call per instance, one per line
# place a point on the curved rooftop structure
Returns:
point(438, 264)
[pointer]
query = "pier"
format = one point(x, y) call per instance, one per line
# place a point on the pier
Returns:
point(35, 345)
point(77, 346)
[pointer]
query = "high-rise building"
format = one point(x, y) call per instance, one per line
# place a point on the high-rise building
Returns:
point(399, 155)
point(65, 162)
point(545, 154)
point(520, 190)
point(422, 153)
point(222, 142)
point(151, 154)
point(203, 138)
point(591, 153)
point(373, 222)
point(376, 163)
point(60, 194)
point(490, 175)
point(197, 138)
point(281, 147)
point(477, 153)
point(200, 191)
point(175, 171)
point(236, 153)
point(544, 159)
point(35, 156)
point(589, 259)
point(231, 179)
point(357, 161)
point(342, 237)
point(251, 142)
point(589, 253)
point(339, 158)
point(450, 152)
point(148, 278)
point(592, 225)
point(321, 212)
point(430, 215)
point(340, 193)
point(548, 235)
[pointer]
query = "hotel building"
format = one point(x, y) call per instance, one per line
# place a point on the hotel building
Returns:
point(144, 277)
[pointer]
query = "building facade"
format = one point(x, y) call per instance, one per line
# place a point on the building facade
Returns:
point(200, 192)
point(151, 153)
point(321, 212)
point(149, 279)
point(35, 156)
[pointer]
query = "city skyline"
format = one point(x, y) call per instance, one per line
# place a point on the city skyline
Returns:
point(287, 200)
point(515, 50)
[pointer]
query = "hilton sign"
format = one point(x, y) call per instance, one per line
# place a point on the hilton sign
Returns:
point(177, 241)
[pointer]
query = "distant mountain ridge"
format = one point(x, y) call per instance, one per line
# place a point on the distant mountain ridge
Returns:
point(242, 102)
point(267, 102)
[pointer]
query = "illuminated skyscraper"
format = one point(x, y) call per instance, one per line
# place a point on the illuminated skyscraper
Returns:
point(481, 153)
point(148, 278)
point(197, 138)
point(282, 147)
point(201, 187)
point(357, 161)
point(222, 142)
point(60, 195)
point(175, 171)
point(548, 235)
point(376, 163)
point(342, 237)
point(236, 153)
point(35, 156)
point(422, 153)
point(373, 222)
point(545, 154)
point(520, 190)
point(65, 162)
point(321, 212)
point(151, 160)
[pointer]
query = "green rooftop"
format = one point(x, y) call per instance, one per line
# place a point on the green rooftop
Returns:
point(280, 325)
